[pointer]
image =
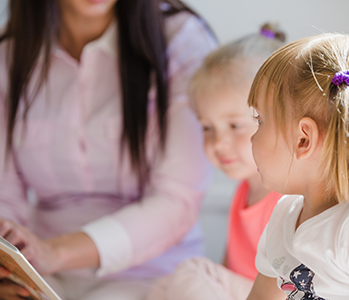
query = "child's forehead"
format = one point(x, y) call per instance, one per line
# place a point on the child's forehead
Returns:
point(214, 82)
point(225, 103)
point(223, 92)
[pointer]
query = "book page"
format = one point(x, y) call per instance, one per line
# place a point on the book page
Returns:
point(20, 277)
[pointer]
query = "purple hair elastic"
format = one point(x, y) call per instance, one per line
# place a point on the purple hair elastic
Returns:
point(268, 33)
point(341, 77)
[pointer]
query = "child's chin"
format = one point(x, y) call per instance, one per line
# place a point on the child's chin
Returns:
point(234, 175)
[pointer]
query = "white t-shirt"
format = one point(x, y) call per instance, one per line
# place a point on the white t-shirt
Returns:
point(311, 262)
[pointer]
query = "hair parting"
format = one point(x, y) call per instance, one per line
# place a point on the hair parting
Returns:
point(218, 65)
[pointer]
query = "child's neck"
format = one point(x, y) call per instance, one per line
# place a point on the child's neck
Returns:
point(315, 202)
point(257, 190)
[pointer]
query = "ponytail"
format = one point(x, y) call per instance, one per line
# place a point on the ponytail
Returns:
point(337, 140)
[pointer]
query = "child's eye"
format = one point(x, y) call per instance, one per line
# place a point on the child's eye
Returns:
point(205, 128)
point(235, 126)
point(257, 118)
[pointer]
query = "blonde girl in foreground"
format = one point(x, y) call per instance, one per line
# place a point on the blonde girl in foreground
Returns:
point(219, 91)
point(301, 97)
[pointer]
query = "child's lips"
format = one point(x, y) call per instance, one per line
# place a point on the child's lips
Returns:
point(226, 161)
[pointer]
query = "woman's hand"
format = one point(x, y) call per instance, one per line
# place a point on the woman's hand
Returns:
point(10, 290)
point(40, 253)
point(65, 252)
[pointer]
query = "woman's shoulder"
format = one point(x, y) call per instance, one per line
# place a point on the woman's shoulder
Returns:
point(188, 43)
point(174, 23)
point(185, 26)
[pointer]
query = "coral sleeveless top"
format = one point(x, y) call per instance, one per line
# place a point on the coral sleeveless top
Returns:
point(246, 225)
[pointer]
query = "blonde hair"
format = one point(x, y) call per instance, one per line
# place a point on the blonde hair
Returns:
point(218, 65)
point(299, 78)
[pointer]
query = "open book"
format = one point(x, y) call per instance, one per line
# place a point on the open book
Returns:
point(23, 273)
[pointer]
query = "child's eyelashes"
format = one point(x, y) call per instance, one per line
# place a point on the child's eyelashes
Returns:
point(257, 118)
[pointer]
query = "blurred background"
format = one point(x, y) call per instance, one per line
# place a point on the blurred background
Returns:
point(232, 19)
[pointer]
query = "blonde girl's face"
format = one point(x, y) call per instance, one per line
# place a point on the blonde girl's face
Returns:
point(271, 152)
point(87, 8)
point(228, 125)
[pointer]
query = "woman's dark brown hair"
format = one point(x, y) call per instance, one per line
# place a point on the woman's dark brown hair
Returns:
point(142, 50)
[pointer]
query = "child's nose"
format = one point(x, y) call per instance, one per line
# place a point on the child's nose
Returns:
point(222, 141)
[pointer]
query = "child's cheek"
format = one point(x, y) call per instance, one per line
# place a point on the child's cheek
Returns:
point(210, 153)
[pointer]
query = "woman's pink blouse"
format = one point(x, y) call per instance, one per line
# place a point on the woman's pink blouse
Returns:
point(65, 174)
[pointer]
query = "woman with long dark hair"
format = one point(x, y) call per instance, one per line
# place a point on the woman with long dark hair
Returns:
point(102, 171)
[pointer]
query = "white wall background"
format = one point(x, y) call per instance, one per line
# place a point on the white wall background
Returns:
point(3, 11)
point(231, 19)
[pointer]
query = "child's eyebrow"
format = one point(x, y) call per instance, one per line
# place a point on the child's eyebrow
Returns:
point(236, 115)
point(229, 116)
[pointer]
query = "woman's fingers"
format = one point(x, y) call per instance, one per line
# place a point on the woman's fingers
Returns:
point(3, 273)
point(16, 234)
point(10, 290)
point(17, 237)
point(28, 252)
point(6, 226)
point(39, 252)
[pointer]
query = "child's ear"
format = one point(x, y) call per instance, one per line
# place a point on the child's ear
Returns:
point(307, 135)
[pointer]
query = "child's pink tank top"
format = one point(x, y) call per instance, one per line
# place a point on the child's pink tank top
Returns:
point(246, 225)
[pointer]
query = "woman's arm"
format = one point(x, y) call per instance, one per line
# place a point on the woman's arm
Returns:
point(66, 252)
point(265, 288)
point(74, 251)
point(71, 251)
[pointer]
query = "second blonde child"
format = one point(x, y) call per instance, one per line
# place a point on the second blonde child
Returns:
point(219, 92)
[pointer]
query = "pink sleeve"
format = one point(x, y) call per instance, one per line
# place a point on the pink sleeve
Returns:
point(144, 230)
